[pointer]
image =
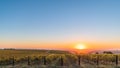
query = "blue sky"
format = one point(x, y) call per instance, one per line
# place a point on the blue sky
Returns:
point(60, 20)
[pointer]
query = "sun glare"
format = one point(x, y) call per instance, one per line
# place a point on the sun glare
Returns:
point(80, 46)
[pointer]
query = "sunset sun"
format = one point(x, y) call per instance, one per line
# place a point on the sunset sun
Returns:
point(80, 46)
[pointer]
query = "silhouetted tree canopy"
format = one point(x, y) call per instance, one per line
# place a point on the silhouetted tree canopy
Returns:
point(107, 52)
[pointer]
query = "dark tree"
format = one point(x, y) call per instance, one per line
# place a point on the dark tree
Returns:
point(107, 52)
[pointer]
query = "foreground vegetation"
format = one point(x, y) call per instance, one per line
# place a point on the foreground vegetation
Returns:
point(55, 59)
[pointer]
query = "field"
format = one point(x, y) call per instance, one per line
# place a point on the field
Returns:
point(11, 58)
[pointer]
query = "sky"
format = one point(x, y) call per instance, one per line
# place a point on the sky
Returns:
point(59, 24)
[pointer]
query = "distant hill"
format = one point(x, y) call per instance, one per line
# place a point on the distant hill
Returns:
point(80, 51)
point(114, 51)
point(12, 51)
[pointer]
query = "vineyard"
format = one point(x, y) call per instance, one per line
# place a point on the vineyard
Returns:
point(56, 59)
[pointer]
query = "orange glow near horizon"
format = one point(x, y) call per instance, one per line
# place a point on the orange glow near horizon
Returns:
point(61, 45)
